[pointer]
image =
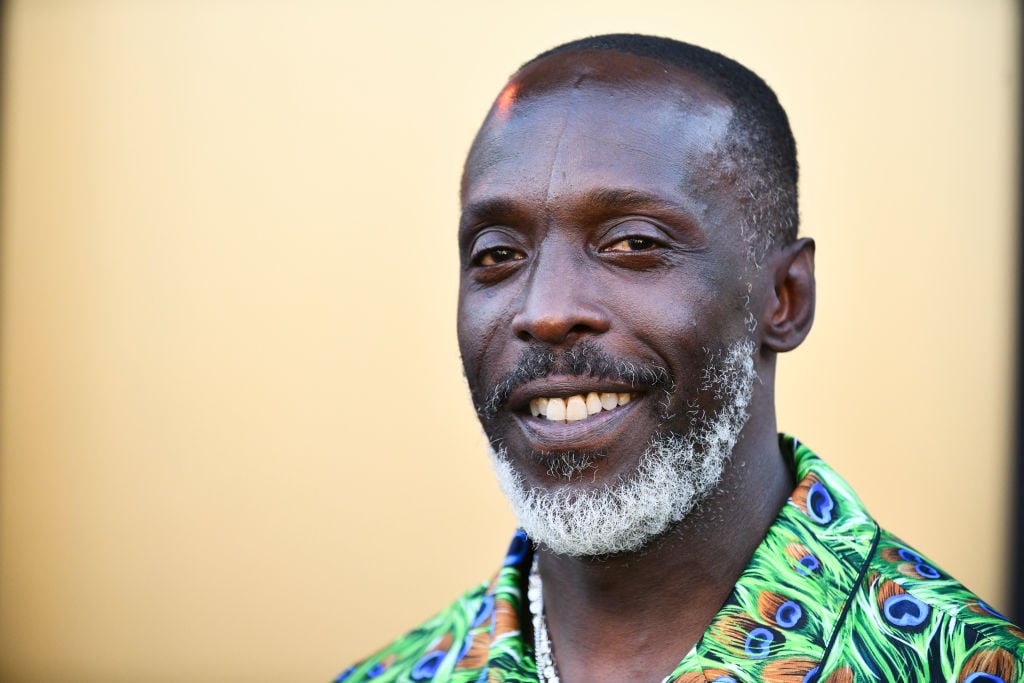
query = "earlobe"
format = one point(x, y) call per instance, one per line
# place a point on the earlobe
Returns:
point(789, 310)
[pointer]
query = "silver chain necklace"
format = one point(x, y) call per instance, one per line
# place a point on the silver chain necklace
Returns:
point(546, 671)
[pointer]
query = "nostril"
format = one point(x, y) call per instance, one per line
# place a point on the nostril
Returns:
point(559, 321)
point(555, 331)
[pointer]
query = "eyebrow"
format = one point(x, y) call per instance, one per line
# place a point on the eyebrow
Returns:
point(606, 200)
point(490, 207)
point(498, 209)
point(622, 198)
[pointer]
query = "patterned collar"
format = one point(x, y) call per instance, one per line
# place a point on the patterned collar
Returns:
point(785, 608)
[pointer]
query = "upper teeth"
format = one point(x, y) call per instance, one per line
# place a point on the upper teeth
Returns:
point(577, 407)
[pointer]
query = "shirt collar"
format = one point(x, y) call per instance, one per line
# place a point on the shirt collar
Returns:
point(783, 613)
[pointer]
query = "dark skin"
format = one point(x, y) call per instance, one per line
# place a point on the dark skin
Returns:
point(597, 208)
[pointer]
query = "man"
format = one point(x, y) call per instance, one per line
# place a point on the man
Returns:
point(630, 269)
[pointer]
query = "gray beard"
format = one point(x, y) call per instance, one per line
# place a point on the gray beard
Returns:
point(674, 474)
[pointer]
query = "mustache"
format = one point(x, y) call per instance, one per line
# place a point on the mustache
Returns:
point(585, 359)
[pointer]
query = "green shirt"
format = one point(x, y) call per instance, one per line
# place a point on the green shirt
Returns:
point(828, 596)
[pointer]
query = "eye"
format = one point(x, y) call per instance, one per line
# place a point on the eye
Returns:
point(632, 244)
point(497, 255)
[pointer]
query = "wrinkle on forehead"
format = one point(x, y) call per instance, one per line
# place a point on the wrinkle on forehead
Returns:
point(586, 130)
point(559, 149)
point(559, 78)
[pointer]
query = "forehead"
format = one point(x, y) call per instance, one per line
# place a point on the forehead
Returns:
point(599, 120)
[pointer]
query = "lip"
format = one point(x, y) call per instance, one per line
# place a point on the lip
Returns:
point(593, 433)
point(564, 387)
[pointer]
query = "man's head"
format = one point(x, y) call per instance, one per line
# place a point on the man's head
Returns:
point(629, 267)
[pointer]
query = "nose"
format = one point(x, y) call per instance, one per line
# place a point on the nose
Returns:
point(558, 304)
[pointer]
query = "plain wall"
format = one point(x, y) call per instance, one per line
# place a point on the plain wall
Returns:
point(236, 442)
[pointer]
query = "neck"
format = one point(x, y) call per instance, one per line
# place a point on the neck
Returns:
point(634, 616)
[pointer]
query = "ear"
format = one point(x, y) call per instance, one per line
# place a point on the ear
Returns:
point(789, 308)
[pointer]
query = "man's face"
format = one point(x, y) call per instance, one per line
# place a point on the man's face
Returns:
point(602, 265)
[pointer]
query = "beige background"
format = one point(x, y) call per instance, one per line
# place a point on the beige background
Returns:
point(235, 441)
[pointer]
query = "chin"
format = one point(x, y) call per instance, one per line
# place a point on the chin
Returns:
point(671, 477)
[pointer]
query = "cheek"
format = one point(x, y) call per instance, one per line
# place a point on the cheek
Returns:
point(482, 317)
point(667, 315)
point(682, 324)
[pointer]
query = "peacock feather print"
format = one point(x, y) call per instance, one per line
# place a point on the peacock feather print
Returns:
point(827, 597)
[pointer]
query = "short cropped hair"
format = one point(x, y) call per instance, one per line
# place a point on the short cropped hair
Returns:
point(760, 141)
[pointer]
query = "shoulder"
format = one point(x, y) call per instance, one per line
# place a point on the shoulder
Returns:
point(477, 634)
point(902, 617)
point(912, 620)
point(441, 641)
point(913, 574)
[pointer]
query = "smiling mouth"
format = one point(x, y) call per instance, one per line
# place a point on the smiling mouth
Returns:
point(579, 406)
